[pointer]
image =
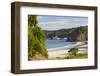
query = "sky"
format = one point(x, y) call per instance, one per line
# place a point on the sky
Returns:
point(61, 22)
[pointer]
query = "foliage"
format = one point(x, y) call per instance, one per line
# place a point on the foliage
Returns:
point(32, 20)
point(36, 39)
point(73, 51)
point(73, 34)
point(78, 56)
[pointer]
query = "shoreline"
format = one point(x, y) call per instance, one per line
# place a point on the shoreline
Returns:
point(63, 51)
point(78, 45)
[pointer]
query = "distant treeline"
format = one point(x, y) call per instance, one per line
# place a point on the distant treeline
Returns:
point(72, 34)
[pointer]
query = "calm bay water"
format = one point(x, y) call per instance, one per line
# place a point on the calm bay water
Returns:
point(57, 43)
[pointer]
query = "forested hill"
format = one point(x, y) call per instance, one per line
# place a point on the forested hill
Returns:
point(72, 34)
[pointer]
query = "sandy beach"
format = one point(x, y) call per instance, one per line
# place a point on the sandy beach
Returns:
point(63, 51)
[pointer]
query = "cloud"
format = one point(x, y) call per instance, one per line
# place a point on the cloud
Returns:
point(56, 23)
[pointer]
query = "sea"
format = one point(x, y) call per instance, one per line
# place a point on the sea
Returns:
point(57, 43)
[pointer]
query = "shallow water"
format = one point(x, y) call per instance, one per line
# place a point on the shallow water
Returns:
point(57, 43)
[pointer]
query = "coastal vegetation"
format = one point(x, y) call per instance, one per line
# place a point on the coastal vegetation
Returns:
point(37, 49)
point(78, 56)
point(73, 51)
point(36, 39)
point(73, 34)
point(73, 54)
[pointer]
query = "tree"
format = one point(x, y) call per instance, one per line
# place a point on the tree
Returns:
point(36, 39)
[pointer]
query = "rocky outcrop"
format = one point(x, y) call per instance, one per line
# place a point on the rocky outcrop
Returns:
point(79, 34)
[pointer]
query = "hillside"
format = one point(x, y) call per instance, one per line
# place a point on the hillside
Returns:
point(72, 34)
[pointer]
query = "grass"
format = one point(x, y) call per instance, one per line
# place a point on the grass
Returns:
point(78, 56)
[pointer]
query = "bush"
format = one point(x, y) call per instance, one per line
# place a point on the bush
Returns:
point(36, 40)
point(73, 51)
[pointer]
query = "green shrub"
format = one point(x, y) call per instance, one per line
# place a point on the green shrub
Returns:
point(36, 39)
point(73, 51)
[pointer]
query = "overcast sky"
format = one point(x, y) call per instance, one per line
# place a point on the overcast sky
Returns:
point(61, 22)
